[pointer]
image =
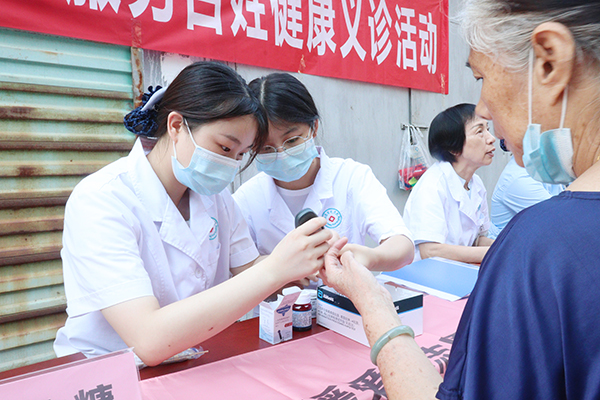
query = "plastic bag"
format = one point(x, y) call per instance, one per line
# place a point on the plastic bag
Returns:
point(190, 354)
point(414, 158)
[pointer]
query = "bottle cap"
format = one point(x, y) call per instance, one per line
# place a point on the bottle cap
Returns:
point(312, 292)
point(304, 298)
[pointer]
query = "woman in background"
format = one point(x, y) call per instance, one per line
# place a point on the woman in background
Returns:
point(447, 210)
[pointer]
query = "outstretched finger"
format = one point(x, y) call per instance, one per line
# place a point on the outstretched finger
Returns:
point(336, 248)
point(334, 237)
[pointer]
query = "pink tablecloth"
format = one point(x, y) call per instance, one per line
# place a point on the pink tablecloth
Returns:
point(440, 319)
point(322, 366)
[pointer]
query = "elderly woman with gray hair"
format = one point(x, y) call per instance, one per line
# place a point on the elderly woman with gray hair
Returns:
point(530, 327)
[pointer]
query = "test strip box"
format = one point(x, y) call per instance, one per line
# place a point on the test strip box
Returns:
point(275, 318)
point(336, 312)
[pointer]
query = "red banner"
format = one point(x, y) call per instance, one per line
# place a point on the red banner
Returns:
point(391, 42)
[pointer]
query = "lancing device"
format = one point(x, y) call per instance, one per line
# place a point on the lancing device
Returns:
point(304, 216)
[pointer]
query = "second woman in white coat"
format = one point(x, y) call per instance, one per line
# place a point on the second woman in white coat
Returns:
point(296, 174)
point(447, 209)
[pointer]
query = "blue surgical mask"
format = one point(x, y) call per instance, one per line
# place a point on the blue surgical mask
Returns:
point(288, 167)
point(208, 173)
point(548, 156)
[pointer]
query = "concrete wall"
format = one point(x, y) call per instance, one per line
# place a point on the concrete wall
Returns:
point(462, 89)
point(361, 120)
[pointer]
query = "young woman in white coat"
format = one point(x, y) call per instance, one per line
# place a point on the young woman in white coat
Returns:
point(447, 210)
point(296, 174)
point(156, 254)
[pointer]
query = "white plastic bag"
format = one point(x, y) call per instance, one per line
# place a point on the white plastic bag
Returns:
point(414, 157)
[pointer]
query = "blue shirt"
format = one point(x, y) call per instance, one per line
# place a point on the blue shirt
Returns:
point(530, 327)
point(515, 191)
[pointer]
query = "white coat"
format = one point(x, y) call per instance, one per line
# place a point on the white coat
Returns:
point(124, 238)
point(440, 210)
point(345, 192)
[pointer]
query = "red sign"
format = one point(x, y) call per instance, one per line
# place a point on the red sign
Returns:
point(390, 42)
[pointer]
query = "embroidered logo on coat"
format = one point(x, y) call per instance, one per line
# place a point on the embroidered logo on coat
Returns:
point(333, 217)
point(213, 232)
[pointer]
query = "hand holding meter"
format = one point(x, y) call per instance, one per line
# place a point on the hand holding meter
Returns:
point(304, 216)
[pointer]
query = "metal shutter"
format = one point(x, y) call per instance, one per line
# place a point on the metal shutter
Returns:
point(62, 103)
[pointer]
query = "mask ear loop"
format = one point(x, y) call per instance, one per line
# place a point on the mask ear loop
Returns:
point(190, 132)
point(530, 100)
point(564, 107)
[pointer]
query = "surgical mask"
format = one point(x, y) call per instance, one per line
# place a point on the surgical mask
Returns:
point(548, 156)
point(288, 166)
point(208, 173)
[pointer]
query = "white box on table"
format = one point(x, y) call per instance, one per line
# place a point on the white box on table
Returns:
point(336, 312)
point(275, 317)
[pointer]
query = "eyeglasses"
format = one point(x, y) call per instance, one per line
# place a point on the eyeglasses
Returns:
point(292, 147)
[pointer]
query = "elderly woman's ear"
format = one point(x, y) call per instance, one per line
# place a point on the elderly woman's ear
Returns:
point(554, 49)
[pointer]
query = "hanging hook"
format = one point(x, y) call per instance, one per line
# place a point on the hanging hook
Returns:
point(406, 126)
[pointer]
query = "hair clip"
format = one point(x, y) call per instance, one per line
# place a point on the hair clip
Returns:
point(153, 97)
point(142, 120)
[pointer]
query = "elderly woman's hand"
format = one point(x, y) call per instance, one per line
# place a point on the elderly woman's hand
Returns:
point(348, 276)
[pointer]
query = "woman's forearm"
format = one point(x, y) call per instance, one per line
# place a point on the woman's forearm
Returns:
point(406, 372)
point(468, 254)
point(393, 253)
point(157, 333)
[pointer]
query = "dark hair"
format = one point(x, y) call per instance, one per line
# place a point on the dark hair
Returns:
point(447, 131)
point(205, 92)
point(285, 99)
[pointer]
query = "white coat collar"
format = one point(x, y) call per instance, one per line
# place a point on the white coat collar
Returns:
point(455, 183)
point(459, 194)
point(280, 215)
point(155, 199)
point(150, 190)
point(323, 185)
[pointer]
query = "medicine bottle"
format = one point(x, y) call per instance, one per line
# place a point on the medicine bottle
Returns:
point(302, 312)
